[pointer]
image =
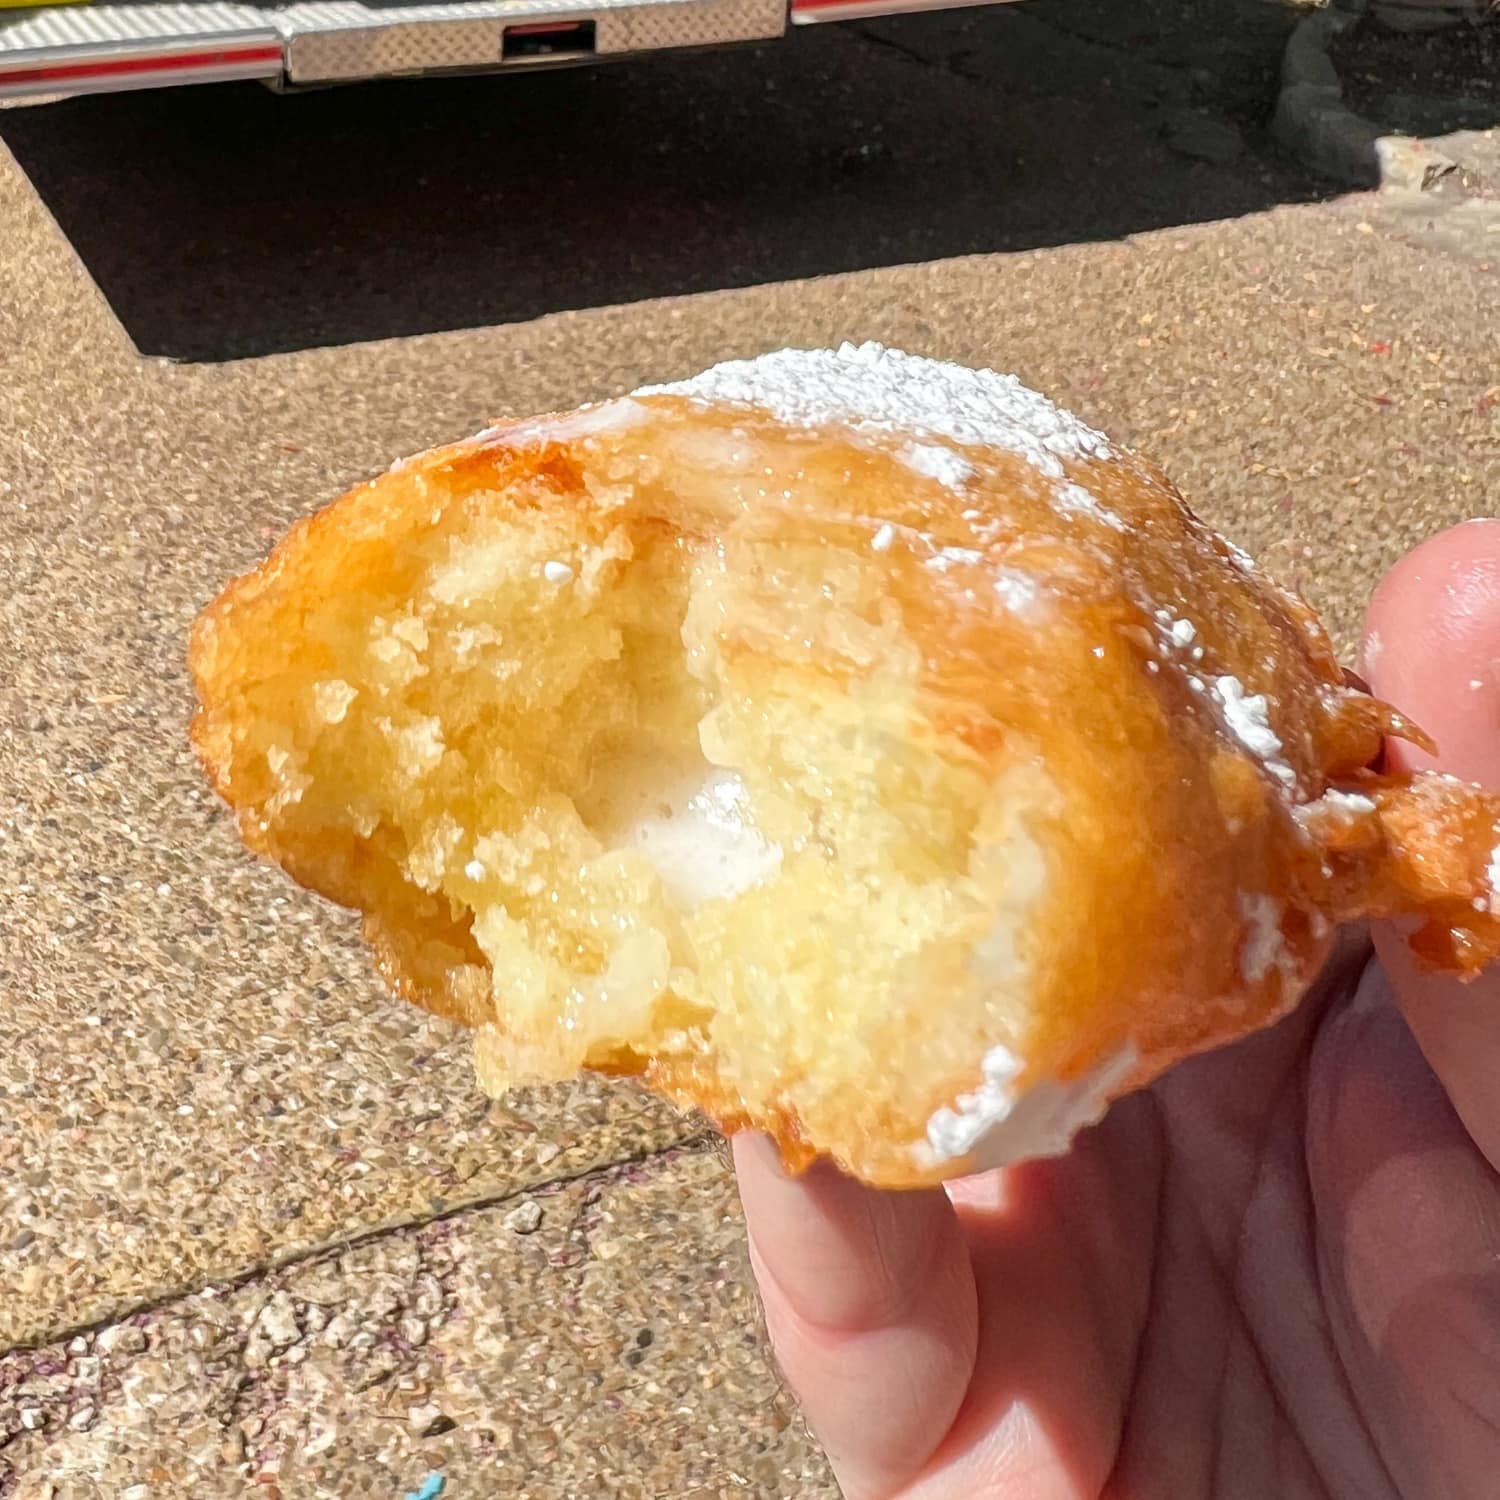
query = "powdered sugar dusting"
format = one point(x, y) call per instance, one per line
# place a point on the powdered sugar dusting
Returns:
point(1246, 713)
point(1248, 720)
point(1336, 804)
point(1492, 874)
point(1334, 812)
point(946, 465)
point(872, 389)
point(1076, 500)
point(1242, 559)
point(1018, 591)
point(572, 426)
point(1264, 948)
point(953, 557)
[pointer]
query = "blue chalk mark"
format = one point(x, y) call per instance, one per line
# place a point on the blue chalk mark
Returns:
point(432, 1487)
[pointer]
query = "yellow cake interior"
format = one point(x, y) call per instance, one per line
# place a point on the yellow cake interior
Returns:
point(625, 794)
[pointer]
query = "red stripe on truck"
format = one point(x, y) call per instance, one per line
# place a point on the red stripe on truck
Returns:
point(126, 66)
point(544, 28)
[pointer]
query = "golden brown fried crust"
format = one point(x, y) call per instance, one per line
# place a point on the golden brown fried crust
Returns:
point(1158, 783)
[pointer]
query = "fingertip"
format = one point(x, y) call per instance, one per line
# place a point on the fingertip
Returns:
point(841, 1253)
point(755, 1151)
point(769, 1186)
point(1432, 648)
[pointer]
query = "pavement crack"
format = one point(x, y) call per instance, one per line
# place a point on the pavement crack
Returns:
point(1130, 50)
point(703, 1139)
point(949, 65)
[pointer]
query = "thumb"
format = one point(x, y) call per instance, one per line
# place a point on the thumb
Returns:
point(871, 1307)
point(1432, 648)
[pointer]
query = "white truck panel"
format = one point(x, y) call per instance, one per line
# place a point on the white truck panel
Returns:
point(94, 48)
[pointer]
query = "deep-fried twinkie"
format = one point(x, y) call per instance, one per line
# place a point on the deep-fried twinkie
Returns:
point(852, 745)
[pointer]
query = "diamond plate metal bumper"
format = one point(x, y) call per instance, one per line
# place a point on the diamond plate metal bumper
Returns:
point(343, 39)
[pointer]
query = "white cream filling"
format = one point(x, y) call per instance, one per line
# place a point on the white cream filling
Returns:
point(998, 1125)
point(700, 840)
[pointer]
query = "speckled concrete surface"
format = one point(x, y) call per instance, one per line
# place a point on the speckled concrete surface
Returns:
point(360, 1373)
point(200, 1076)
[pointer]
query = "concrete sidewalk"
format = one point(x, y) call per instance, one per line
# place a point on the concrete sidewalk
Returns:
point(259, 1232)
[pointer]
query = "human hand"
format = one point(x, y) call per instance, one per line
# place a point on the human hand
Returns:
point(1274, 1273)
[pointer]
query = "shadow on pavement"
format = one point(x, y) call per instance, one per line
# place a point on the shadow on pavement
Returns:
point(230, 222)
point(1425, 84)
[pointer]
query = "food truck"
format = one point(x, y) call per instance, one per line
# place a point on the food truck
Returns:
point(78, 48)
